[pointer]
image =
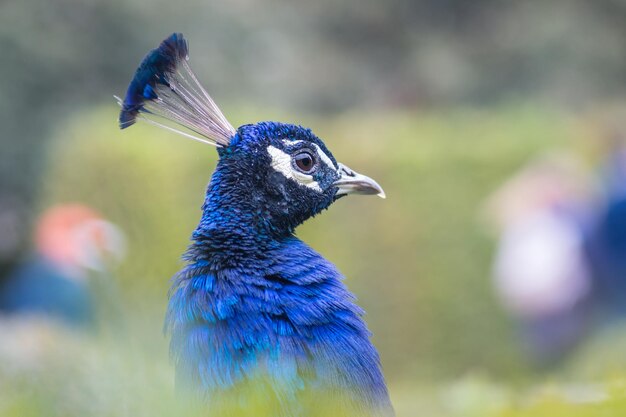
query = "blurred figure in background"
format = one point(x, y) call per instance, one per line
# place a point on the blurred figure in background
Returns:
point(607, 244)
point(541, 272)
point(72, 244)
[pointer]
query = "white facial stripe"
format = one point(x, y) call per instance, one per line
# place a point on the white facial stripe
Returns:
point(291, 142)
point(324, 157)
point(281, 162)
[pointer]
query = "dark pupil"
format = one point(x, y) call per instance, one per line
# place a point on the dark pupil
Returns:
point(304, 161)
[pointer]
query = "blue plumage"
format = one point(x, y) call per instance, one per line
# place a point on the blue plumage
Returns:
point(155, 69)
point(257, 318)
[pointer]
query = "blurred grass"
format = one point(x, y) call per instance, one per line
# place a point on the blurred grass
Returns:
point(57, 373)
point(418, 261)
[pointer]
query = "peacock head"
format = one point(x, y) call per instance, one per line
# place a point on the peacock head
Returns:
point(285, 171)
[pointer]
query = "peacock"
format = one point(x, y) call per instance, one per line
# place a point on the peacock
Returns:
point(260, 323)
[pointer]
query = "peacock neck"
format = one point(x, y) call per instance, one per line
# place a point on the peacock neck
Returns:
point(255, 296)
point(284, 310)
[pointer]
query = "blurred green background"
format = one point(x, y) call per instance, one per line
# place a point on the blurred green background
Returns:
point(439, 101)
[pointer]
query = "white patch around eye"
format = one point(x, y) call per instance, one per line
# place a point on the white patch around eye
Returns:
point(319, 150)
point(281, 162)
point(324, 157)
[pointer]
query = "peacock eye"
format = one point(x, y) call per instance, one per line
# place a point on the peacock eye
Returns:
point(305, 162)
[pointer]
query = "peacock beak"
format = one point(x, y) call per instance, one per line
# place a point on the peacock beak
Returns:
point(354, 183)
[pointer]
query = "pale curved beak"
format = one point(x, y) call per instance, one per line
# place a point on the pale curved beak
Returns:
point(352, 182)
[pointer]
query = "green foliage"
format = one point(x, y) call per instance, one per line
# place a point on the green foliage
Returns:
point(418, 261)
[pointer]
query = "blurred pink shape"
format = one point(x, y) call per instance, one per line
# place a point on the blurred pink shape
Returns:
point(75, 236)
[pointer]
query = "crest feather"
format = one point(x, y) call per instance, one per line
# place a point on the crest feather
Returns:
point(165, 87)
